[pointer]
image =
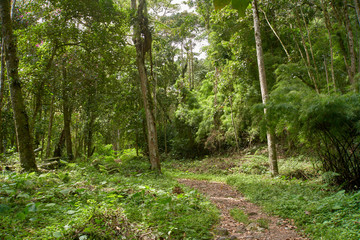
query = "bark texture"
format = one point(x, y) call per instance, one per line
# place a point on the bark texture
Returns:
point(67, 116)
point(351, 44)
point(51, 119)
point(142, 40)
point(2, 91)
point(264, 89)
point(25, 140)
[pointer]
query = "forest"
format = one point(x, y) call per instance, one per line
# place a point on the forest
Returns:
point(180, 119)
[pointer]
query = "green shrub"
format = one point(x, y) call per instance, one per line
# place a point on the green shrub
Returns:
point(327, 124)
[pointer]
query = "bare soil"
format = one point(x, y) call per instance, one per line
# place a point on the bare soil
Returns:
point(226, 198)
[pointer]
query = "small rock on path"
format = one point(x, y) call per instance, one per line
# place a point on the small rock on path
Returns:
point(226, 198)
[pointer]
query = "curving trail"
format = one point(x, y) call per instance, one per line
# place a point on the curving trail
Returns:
point(226, 198)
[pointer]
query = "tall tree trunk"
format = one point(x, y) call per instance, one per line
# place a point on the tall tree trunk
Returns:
point(357, 9)
point(51, 119)
point(303, 58)
point(329, 28)
point(142, 40)
point(351, 44)
point(327, 75)
point(310, 44)
point(67, 116)
point(165, 137)
point(233, 123)
point(90, 135)
point(25, 140)
point(308, 62)
point(2, 92)
point(264, 90)
point(277, 36)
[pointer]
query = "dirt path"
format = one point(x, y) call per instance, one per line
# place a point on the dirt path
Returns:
point(226, 198)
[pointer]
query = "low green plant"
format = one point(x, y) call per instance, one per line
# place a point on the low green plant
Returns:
point(239, 215)
point(319, 210)
point(255, 164)
point(263, 222)
point(85, 201)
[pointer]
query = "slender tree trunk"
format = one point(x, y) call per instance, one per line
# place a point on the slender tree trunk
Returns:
point(142, 41)
point(76, 142)
point(308, 62)
point(51, 119)
point(90, 135)
point(310, 44)
point(234, 126)
point(328, 27)
point(12, 13)
point(303, 58)
point(25, 140)
point(67, 116)
point(264, 90)
point(118, 138)
point(2, 92)
point(137, 142)
point(277, 36)
point(357, 9)
point(327, 75)
point(192, 85)
point(351, 44)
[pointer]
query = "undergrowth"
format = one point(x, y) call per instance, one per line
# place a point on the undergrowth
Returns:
point(102, 200)
point(322, 213)
point(301, 193)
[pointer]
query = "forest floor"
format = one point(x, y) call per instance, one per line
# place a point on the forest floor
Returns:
point(255, 225)
point(118, 197)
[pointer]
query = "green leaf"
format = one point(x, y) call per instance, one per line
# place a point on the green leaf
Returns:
point(65, 191)
point(337, 207)
point(57, 234)
point(32, 207)
point(240, 6)
point(23, 195)
point(50, 205)
point(71, 212)
point(220, 4)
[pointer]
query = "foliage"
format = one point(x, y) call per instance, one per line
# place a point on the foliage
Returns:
point(239, 215)
point(89, 203)
point(327, 124)
point(322, 213)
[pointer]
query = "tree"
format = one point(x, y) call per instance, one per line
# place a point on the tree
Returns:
point(143, 40)
point(241, 6)
point(24, 138)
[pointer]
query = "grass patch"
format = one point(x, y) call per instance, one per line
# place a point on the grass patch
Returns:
point(263, 222)
point(104, 200)
point(322, 213)
point(239, 215)
point(300, 193)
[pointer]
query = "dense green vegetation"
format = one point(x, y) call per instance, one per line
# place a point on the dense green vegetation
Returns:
point(301, 194)
point(102, 200)
point(104, 103)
